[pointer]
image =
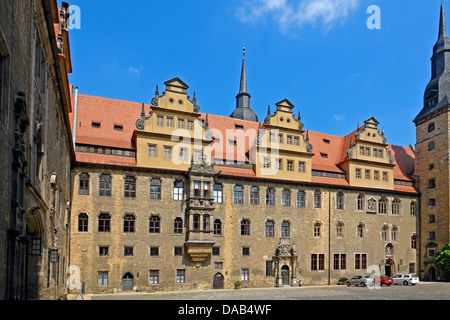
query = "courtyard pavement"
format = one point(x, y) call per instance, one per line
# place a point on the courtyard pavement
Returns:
point(422, 291)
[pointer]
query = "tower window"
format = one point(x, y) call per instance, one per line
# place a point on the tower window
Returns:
point(431, 127)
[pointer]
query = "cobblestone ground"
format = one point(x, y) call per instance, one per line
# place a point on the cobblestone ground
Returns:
point(421, 291)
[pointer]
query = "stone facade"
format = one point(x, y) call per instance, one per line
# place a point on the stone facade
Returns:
point(280, 257)
point(34, 188)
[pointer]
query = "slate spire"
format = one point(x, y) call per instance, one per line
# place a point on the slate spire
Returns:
point(243, 110)
point(437, 90)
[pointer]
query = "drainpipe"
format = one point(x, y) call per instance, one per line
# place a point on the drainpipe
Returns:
point(329, 236)
point(74, 133)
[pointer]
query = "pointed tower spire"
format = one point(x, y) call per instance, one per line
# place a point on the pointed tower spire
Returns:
point(243, 84)
point(442, 24)
point(243, 110)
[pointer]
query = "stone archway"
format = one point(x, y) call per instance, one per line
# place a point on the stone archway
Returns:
point(218, 281)
point(285, 275)
point(34, 255)
point(127, 282)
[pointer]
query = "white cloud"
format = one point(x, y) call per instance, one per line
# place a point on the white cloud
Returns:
point(339, 117)
point(296, 13)
point(135, 71)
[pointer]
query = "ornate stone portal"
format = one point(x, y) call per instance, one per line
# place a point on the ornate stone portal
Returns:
point(286, 266)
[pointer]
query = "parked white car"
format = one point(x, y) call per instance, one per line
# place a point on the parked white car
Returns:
point(406, 278)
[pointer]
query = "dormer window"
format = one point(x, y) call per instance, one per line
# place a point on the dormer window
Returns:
point(324, 155)
point(326, 141)
point(239, 127)
point(118, 127)
point(96, 125)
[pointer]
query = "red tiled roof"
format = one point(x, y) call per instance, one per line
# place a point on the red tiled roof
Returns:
point(110, 112)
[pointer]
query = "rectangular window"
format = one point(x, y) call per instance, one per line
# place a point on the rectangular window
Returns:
point(181, 123)
point(296, 141)
point(431, 202)
point(361, 261)
point(245, 274)
point(160, 120)
point(181, 276)
point(367, 174)
point(96, 125)
point(177, 251)
point(102, 278)
point(128, 251)
point(169, 122)
point(183, 154)
point(152, 150)
point(118, 127)
point(385, 176)
point(154, 276)
point(301, 166)
point(167, 152)
point(376, 175)
point(190, 125)
point(358, 173)
point(154, 251)
point(269, 268)
point(103, 251)
point(290, 165)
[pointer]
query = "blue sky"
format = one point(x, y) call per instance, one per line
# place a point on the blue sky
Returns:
point(319, 54)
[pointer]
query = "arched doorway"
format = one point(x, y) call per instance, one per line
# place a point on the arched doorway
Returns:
point(35, 247)
point(127, 282)
point(285, 275)
point(218, 281)
point(431, 274)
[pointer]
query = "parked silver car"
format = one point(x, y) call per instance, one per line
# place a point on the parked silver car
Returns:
point(406, 278)
point(360, 280)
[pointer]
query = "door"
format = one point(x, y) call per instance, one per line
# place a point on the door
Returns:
point(218, 281)
point(127, 282)
point(285, 275)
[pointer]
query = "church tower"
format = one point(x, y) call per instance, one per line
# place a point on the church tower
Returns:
point(432, 167)
point(243, 110)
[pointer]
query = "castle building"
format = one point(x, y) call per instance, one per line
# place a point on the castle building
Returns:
point(37, 149)
point(169, 198)
point(432, 157)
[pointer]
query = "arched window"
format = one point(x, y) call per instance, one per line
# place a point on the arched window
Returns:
point(254, 195)
point(361, 202)
point(317, 229)
point(285, 229)
point(301, 199)
point(269, 228)
point(270, 197)
point(412, 208)
point(178, 225)
point(105, 185)
point(340, 230)
point(414, 241)
point(317, 199)
point(360, 231)
point(130, 187)
point(286, 198)
point(396, 207)
point(217, 227)
point(155, 189)
point(218, 193)
point(84, 184)
point(178, 190)
point(340, 201)
point(394, 233)
point(128, 223)
point(384, 233)
point(104, 222)
point(238, 195)
point(382, 206)
point(83, 222)
point(245, 227)
point(154, 224)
